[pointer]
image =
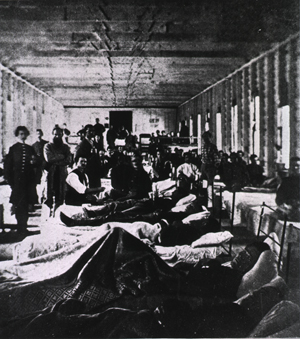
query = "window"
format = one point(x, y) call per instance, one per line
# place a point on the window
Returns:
point(255, 126)
point(206, 127)
point(199, 132)
point(191, 128)
point(283, 135)
point(10, 126)
point(219, 130)
point(234, 129)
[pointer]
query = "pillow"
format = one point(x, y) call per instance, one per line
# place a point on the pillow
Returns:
point(181, 208)
point(213, 239)
point(262, 273)
point(196, 217)
point(186, 200)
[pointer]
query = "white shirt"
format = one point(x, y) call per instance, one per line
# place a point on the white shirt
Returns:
point(190, 170)
point(74, 182)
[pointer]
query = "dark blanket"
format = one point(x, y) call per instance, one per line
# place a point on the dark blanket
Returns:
point(116, 270)
point(171, 319)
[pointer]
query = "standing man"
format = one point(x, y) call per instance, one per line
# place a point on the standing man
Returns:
point(20, 175)
point(111, 137)
point(210, 161)
point(58, 156)
point(99, 130)
point(66, 133)
point(184, 133)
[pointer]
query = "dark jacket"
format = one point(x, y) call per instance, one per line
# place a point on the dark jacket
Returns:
point(20, 173)
point(72, 196)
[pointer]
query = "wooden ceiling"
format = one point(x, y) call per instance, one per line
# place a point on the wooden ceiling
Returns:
point(136, 53)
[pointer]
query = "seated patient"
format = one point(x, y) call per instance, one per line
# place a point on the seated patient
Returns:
point(78, 191)
point(138, 181)
point(188, 176)
point(187, 170)
point(288, 193)
point(255, 172)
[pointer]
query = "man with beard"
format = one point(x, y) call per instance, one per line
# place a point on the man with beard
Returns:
point(87, 149)
point(58, 156)
point(78, 190)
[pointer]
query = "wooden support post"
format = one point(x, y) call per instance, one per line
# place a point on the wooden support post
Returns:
point(228, 115)
point(263, 112)
point(223, 115)
point(270, 115)
point(1, 117)
point(238, 95)
point(246, 99)
point(294, 96)
point(15, 100)
point(4, 115)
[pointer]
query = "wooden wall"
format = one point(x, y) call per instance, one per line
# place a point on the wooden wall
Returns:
point(274, 79)
point(23, 104)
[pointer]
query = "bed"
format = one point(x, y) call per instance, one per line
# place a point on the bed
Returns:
point(114, 281)
point(102, 277)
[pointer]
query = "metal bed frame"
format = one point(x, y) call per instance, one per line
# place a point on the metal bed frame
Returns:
point(281, 242)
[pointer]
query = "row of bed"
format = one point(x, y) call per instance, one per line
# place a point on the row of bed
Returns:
point(119, 279)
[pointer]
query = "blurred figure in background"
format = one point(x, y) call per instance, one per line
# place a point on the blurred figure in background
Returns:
point(38, 147)
point(99, 130)
point(210, 161)
point(111, 137)
point(255, 172)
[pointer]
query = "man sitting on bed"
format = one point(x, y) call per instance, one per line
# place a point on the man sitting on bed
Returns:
point(78, 191)
point(288, 193)
point(255, 172)
point(129, 181)
point(139, 182)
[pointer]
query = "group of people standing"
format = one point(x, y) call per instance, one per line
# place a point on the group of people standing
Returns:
point(112, 134)
point(49, 164)
point(23, 170)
